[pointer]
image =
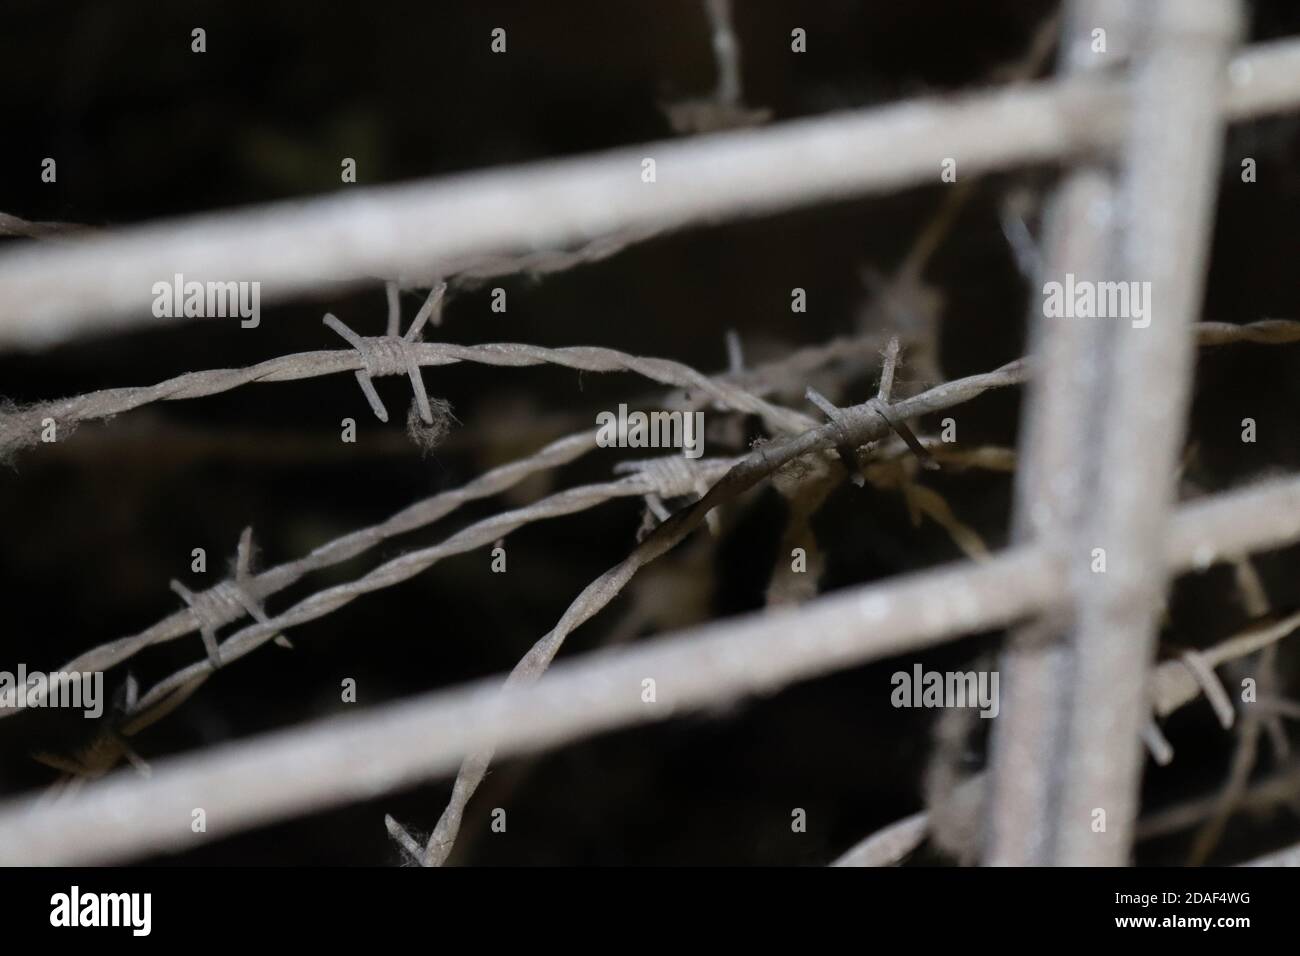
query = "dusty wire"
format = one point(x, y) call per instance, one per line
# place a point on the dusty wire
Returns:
point(22, 427)
point(1265, 332)
point(859, 421)
point(59, 291)
point(488, 531)
point(397, 745)
point(1171, 688)
point(888, 845)
point(748, 472)
point(852, 427)
point(1281, 786)
point(15, 226)
point(764, 377)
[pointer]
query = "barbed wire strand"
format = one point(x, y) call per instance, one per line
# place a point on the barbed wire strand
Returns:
point(54, 293)
point(393, 746)
point(748, 472)
point(666, 482)
point(371, 355)
point(600, 592)
point(764, 377)
point(22, 427)
point(852, 427)
point(1172, 686)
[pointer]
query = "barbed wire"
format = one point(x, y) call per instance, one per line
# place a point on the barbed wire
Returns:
point(666, 482)
point(1264, 332)
point(410, 741)
point(21, 427)
point(1173, 685)
point(54, 293)
point(859, 420)
point(760, 379)
point(394, 746)
point(849, 429)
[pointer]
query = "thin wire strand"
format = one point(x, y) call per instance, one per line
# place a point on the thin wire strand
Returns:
point(488, 531)
point(394, 746)
point(60, 291)
point(1170, 688)
point(22, 427)
point(763, 378)
point(851, 428)
point(748, 472)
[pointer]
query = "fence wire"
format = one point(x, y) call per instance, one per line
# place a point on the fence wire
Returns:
point(1144, 145)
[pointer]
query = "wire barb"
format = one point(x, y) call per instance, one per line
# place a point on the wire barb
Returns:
point(672, 476)
point(226, 601)
point(392, 354)
point(846, 450)
point(927, 460)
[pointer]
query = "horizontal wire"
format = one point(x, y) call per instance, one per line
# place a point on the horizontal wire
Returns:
point(757, 380)
point(55, 292)
point(393, 746)
point(752, 470)
point(22, 427)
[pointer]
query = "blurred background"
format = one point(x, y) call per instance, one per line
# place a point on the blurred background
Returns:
point(96, 525)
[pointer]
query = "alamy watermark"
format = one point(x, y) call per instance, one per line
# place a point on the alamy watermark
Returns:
point(79, 690)
point(214, 300)
point(1085, 299)
point(133, 911)
point(684, 430)
point(922, 688)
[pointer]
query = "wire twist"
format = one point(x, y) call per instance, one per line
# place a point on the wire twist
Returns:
point(226, 601)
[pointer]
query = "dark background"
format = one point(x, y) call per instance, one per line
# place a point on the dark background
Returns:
point(94, 526)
